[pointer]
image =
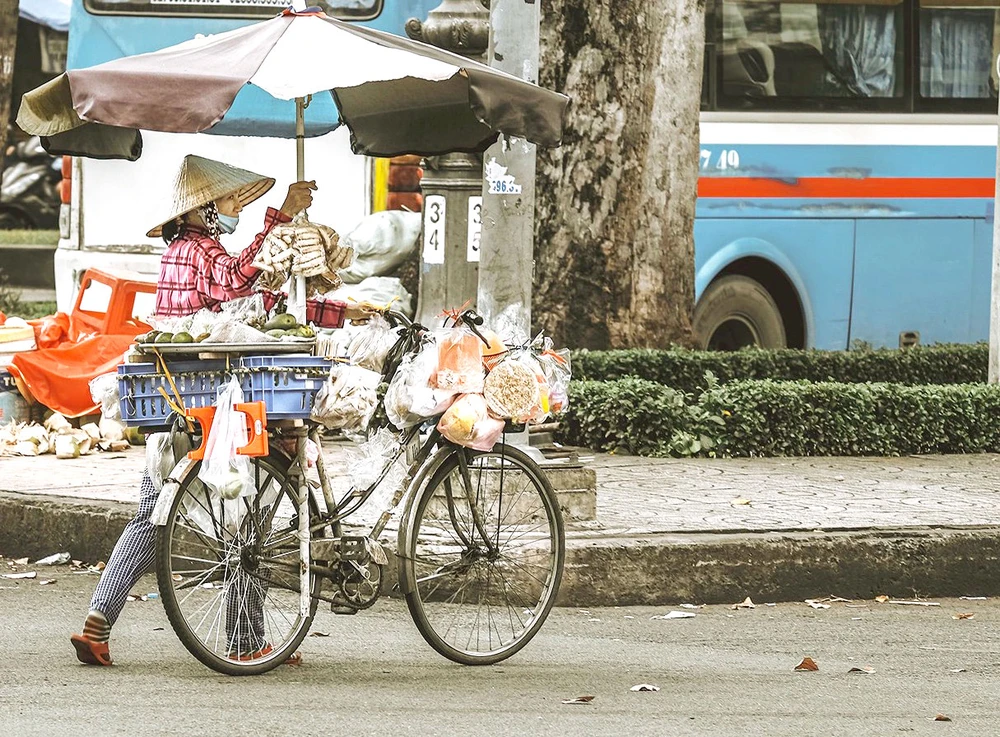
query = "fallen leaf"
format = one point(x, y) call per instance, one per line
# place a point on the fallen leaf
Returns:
point(21, 561)
point(882, 599)
point(745, 604)
point(915, 603)
point(46, 582)
point(817, 604)
point(963, 615)
point(740, 502)
point(29, 574)
point(675, 615)
point(941, 718)
point(317, 633)
point(579, 700)
point(157, 629)
point(972, 598)
point(865, 670)
point(645, 687)
point(807, 664)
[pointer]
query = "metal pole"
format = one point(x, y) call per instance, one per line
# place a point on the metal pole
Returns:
point(507, 242)
point(297, 284)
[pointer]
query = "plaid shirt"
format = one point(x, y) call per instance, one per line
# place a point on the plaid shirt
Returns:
point(196, 272)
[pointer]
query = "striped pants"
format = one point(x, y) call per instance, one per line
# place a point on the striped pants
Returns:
point(133, 557)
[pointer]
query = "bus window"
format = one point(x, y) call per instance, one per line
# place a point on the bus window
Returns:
point(792, 55)
point(959, 42)
point(351, 9)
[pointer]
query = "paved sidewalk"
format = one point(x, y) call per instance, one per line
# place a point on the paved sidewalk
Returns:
point(712, 530)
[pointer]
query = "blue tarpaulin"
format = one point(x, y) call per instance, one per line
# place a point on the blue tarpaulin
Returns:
point(51, 13)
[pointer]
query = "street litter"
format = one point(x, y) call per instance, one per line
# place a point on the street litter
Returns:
point(132, 597)
point(628, 616)
point(593, 619)
point(915, 603)
point(941, 718)
point(645, 687)
point(807, 664)
point(866, 670)
point(29, 574)
point(963, 615)
point(21, 561)
point(579, 700)
point(46, 582)
point(882, 599)
point(740, 502)
point(58, 436)
point(152, 595)
point(972, 598)
point(745, 604)
point(817, 604)
point(56, 559)
point(317, 633)
point(957, 670)
point(691, 606)
point(675, 615)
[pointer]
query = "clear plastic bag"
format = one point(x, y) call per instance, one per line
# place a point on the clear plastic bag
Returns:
point(104, 392)
point(372, 343)
point(460, 361)
point(558, 372)
point(467, 422)
point(410, 398)
point(224, 471)
point(347, 400)
point(164, 450)
point(517, 389)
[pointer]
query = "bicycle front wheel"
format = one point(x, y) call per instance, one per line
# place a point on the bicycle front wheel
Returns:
point(482, 555)
point(228, 571)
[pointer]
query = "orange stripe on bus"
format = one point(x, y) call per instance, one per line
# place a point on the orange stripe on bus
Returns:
point(842, 188)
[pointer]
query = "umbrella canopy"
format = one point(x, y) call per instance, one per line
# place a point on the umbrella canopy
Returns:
point(395, 95)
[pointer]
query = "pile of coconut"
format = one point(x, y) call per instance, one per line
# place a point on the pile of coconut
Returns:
point(59, 436)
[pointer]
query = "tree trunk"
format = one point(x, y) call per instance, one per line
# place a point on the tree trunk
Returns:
point(615, 208)
point(8, 45)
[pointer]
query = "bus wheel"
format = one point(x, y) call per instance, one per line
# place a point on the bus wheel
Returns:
point(736, 312)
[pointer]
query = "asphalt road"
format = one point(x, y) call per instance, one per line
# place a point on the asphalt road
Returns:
point(723, 672)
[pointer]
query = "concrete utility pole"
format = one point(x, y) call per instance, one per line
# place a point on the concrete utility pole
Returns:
point(994, 366)
point(506, 263)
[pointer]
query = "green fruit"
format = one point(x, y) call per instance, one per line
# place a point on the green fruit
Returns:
point(283, 321)
point(276, 333)
point(182, 338)
point(164, 338)
point(148, 337)
point(307, 332)
point(203, 337)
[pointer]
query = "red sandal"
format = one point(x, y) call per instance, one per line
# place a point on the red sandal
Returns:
point(293, 659)
point(90, 652)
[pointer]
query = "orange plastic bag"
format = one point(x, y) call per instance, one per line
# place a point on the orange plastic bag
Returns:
point(460, 361)
point(467, 422)
point(52, 330)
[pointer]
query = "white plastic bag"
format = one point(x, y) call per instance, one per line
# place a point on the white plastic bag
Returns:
point(347, 399)
point(410, 398)
point(372, 343)
point(104, 392)
point(460, 361)
point(382, 241)
point(225, 472)
point(164, 450)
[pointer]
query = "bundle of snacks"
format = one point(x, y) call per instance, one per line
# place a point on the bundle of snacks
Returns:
point(372, 343)
point(460, 361)
point(467, 422)
point(347, 399)
point(410, 398)
point(301, 248)
point(516, 389)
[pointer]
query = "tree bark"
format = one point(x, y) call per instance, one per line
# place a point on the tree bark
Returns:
point(615, 208)
point(8, 45)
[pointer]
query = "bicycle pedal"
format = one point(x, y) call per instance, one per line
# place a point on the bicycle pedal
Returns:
point(353, 548)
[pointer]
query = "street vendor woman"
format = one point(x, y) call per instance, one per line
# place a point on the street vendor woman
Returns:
point(196, 272)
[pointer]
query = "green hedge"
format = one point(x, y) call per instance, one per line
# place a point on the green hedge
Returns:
point(685, 370)
point(772, 418)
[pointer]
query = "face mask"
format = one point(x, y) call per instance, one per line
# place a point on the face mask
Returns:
point(227, 223)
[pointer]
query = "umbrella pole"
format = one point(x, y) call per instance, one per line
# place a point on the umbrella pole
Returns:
point(297, 285)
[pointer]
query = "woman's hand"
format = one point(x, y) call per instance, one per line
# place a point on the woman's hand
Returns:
point(359, 312)
point(299, 198)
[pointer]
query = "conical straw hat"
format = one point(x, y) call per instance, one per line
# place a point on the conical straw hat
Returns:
point(202, 180)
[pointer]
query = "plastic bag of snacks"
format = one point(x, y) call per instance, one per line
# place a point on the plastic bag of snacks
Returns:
point(557, 370)
point(347, 399)
point(410, 398)
point(371, 344)
point(460, 361)
point(467, 422)
point(516, 389)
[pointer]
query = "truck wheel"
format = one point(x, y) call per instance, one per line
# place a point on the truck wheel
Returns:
point(736, 312)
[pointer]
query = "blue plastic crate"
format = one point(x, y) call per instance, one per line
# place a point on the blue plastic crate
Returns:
point(141, 403)
point(286, 384)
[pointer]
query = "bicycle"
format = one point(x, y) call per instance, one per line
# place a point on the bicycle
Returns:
point(480, 547)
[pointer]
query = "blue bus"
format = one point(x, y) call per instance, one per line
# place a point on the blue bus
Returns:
point(848, 156)
point(113, 203)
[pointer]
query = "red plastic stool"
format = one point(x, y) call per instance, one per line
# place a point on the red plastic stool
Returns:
point(118, 317)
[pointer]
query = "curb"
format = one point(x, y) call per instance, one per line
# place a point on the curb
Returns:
point(701, 568)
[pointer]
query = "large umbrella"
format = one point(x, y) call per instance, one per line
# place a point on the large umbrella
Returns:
point(395, 95)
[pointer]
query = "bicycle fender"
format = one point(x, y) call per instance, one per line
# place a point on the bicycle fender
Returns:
point(165, 500)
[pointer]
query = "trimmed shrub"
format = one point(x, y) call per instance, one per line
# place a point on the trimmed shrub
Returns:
point(685, 370)
point(774, 418)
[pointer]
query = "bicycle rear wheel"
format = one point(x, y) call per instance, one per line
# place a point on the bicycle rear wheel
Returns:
point(228, 571)
point(482, 555)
